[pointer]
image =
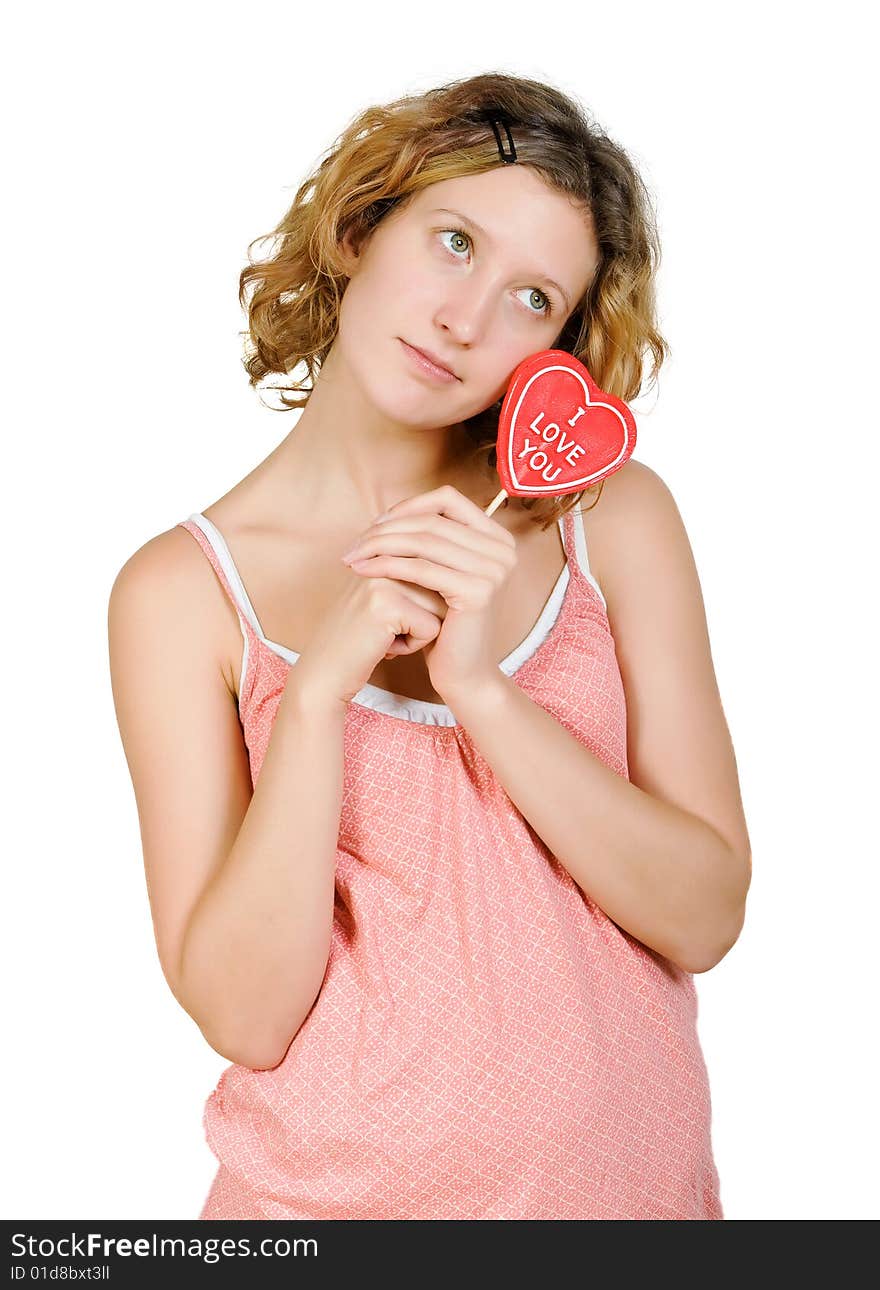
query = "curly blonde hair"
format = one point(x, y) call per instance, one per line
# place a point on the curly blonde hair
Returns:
point(389, 153)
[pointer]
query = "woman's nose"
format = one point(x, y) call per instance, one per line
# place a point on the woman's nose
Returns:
point(466, 312)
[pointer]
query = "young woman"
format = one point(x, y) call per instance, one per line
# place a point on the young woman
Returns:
point(439, 811)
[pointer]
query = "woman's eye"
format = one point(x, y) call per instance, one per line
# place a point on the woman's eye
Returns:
point(546, 308)
point(460, 241)
point(457, 236)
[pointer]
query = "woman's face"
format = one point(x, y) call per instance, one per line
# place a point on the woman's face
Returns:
point(481, 289)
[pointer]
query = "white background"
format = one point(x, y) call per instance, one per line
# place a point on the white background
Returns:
point(145, 149)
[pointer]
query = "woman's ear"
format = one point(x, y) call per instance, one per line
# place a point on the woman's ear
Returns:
point(351, 246)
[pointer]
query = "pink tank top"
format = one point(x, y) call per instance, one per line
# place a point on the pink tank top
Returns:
point(486, 1042)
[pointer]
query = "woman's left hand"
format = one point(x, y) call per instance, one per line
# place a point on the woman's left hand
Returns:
point(444, 541)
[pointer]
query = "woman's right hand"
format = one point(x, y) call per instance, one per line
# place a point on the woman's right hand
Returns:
point(372, 619)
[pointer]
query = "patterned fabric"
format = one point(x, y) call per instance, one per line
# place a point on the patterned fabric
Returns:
point(486, 1043)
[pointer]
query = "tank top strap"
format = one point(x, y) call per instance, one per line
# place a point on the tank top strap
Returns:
point(574, 539)
point(567, 529)
point(210, 542)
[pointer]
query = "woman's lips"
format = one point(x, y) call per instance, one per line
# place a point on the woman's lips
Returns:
point(424, 364)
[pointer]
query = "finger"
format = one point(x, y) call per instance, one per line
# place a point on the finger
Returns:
point(448, 501)
point(417, 623)
point(493, 546)
point(459, 590)
point(489, 561)
point(421, 628)
point(422, 596)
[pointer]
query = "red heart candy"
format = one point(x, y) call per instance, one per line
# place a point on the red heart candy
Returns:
point(557, 431)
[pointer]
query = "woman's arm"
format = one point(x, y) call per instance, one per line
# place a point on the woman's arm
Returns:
point(240, 880)
point(257, 943)
point(667, 854)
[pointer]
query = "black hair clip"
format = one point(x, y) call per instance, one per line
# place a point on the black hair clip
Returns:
point(495, 118)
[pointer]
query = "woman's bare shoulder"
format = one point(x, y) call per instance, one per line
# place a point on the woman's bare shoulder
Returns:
point(170, 562)
point(170, 576)
point(629, 496)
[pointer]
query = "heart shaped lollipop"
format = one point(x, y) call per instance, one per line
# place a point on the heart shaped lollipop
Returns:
point(557, 431)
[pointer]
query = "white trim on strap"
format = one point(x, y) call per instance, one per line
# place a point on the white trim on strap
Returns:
point(373, 696)
point(580, 545)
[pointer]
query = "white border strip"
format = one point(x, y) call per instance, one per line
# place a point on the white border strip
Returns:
point(372, 696)
point(580, 543)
